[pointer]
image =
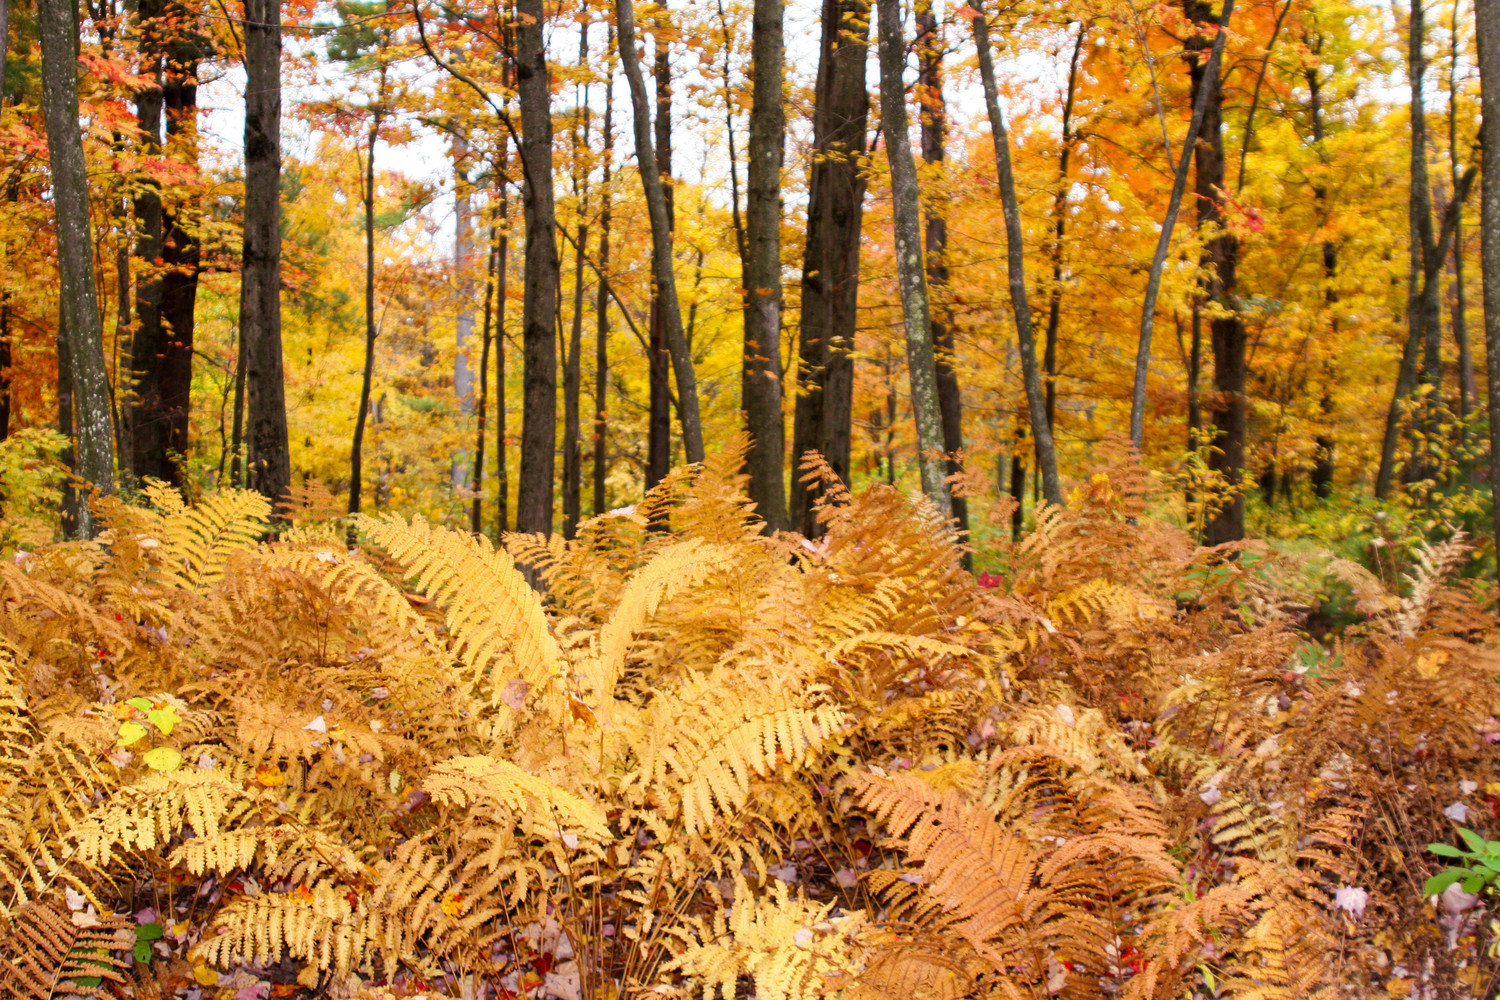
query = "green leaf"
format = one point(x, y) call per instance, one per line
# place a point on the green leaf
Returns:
point(1442, 880)
point(88, 982)
point(164, 719)
point(143, 951)
point(148, 932)
point(1475, 841)
point(144, 704)
point(162, 759)
point(1446, 851)
point(130, 732)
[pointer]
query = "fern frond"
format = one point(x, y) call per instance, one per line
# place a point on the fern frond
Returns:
point(53, 954)
point(495, 618)
point(463, 781)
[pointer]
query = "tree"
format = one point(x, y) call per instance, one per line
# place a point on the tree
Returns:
point(761, 372)
point(268, 453)
point(934, 122)
point(81, 330)
point(1487, 22)
point(1015, 250)
point(573, 360)
point(663, 274)
point(539, 305)
point(601, 305)
point(830, 268)
point(910, 272)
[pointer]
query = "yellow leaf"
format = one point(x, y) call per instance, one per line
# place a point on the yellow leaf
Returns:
point(165, 719)
point(130, 732)
point(453, 904)
point(162, 759)
point(270, 776)
point(205, 976)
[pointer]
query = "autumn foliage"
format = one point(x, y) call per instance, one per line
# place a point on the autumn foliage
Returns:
point(703, 761)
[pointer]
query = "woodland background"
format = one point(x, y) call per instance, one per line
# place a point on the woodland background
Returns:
point(443, 341)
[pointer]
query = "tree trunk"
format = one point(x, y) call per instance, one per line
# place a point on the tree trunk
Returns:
point(356, 451)
point(1487, 23)
point(1466, 388)
point(761, 375)
point(573, 362)
point(1221, 257)
point(539, 306)
point(661, 239)
point(1015, 250)
point(502, 270)
point(1164, 240)
point(144, 418)
point(1323, 466)
point(601, 305)
point(463, 326)
point(659, 358)
point(268, 456)
point(1059, 231)
point(487, 337)
point(934, 131)
point(181, 253)
point(906, 211)
point(830, 270)
point(83, 333)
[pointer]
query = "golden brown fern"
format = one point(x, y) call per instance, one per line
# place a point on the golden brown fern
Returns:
point(52, 953)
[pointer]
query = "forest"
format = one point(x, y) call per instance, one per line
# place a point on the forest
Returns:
point(604, 499)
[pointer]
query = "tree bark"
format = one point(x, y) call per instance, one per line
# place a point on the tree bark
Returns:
point(601, 304)
point(487, 338)
point(502, 270)
point(934, 132)
point(1323, 464)
point(659, 358)
point(1487, 23)
point(1164, 240)
point(661, 239)
point(539, 306)
point(268, 455)
point(83, 332)
point(1466, 393)
point(830, 270)
point(181, 253)
point(1059, 231)
point(761, 374)
point(906, 214)
point(1015, 250)
point(573, 363)
point(146, 452)
point(1221, 257)
point(356, 450)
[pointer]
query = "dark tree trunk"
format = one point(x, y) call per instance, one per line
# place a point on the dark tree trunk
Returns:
point(502, 270)
point(601, 305)
point(145, 428)
point(1221, 257)
point(830, 270)
point(1036, 402)
point(1466, 388)
point(1169, 224)
point(659, 359)
point(268, 456)
point(573, 361)
point(180, 249)
point(934, 122)
point(539, 306)
point(356, 451)
point(1059, 231)
point(761, 374)
point(1487, 22)
point(906, 212)
point(83, 333)
point(487, 337)
point(1018, 485)
point(1323, 463)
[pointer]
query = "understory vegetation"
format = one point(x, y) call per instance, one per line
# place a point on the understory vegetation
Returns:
point(697, 761)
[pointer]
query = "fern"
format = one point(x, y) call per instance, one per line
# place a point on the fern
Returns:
point(54, 954)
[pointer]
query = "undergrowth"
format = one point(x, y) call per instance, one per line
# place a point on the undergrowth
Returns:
point(701, 761)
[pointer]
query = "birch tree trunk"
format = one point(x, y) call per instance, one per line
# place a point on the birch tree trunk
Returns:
point(83, 332)
point(910, 273)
